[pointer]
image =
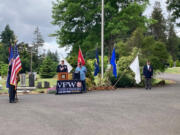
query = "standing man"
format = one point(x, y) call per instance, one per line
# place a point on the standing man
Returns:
point(82, 70)
point(148, 73)
point(12, 91)
point(62, 67)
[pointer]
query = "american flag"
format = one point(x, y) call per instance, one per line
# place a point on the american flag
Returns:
point(16, 66)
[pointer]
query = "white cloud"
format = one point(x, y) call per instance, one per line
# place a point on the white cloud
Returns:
point(24, 15)
point(150, 7)
point(53, 47)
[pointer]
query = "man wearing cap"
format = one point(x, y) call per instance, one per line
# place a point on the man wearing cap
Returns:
point(62, 67)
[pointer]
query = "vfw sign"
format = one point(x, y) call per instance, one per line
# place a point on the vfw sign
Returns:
point(68, 86)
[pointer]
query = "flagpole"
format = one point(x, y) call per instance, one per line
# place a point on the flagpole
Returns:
point(102, 40)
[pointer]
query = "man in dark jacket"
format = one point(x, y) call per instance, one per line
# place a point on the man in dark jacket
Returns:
point(148, 73)
point(12, 91)
point(62, 67)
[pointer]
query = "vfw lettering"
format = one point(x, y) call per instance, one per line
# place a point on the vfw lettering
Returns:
point(67, 84)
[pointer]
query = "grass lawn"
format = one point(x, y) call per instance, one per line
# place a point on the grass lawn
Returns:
point(174, 70)
point(3, 84)
point(167, 82)
point(52, 82)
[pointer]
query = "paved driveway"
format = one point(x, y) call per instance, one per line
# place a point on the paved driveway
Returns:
point(119, 112)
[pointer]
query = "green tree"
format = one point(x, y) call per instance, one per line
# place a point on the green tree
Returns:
point(7, 37)
point(156, 52)
point(174, 7)
point(136, 40)
point(53, 56)
point(172, 42)
point(80, 22)
point(48, 68)
point(148, 48)
point(24, 52)
point(158, 29)
point(3, 69)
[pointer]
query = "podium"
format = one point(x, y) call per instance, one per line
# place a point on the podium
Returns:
point(62, 76)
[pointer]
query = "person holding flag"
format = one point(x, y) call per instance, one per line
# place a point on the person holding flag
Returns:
point(14, 68)
point(11, 87)
point(10, 63)
point(82, 70)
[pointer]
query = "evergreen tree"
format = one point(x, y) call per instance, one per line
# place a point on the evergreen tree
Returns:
point(48, 68)
point(158, 29)
point(24, 52)
point(174, 6)
point(7, 37)
point(53, 56)
point(172, 42)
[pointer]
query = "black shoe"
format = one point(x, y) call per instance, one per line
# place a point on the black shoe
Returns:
point(12, 101)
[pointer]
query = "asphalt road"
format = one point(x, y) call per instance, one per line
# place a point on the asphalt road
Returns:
point(120, 112)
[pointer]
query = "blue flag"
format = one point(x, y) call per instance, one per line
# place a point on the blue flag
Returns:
point(10, 58)
point(113, 62)
point(96, 64)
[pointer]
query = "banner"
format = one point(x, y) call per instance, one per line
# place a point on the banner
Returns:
point(68, 86)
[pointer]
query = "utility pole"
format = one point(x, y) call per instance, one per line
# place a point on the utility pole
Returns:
point(102, 40)
point(31, 75)
point(31, 61)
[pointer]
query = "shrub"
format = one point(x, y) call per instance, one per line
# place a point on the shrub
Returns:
point(170, 61)
point(3, 68)
point(177, 63)
point(125, 81)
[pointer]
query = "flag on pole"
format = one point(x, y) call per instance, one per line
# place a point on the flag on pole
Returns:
point(80, 57)
point(113, 62)
point(16, 66)
point(134, 66)
point(10, 58)
point(96, 64)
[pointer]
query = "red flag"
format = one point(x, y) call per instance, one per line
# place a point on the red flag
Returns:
point(16, 67)
point(80, 57)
